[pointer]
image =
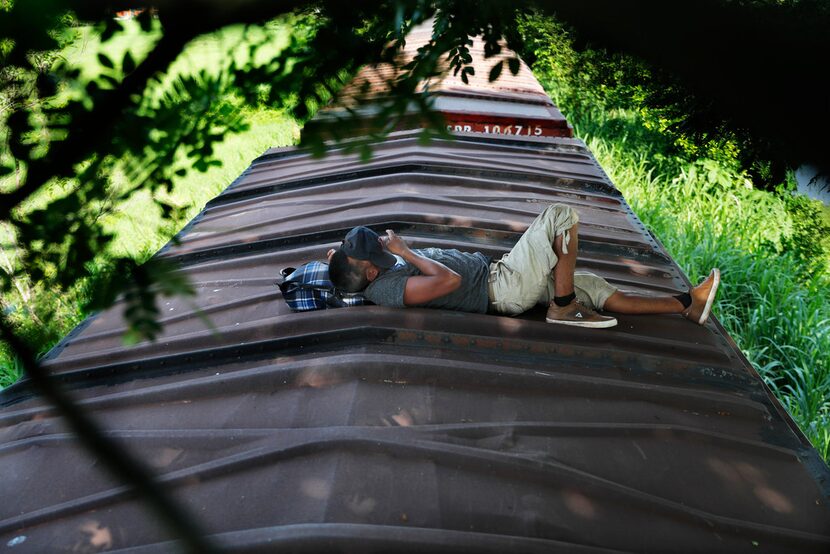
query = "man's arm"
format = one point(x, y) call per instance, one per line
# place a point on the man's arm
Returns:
point(436, 279)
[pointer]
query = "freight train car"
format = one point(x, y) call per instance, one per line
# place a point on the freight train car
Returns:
point(371, 429)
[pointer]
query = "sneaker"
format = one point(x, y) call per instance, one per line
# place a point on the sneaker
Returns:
point(578, 315)
point(703, 296)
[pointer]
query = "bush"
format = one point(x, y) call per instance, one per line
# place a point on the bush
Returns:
point(693, 195)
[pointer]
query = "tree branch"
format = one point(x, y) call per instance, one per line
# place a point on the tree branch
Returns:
point(93, 129)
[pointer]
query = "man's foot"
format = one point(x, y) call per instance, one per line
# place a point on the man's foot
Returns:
point(578, 315)
point(703, 296)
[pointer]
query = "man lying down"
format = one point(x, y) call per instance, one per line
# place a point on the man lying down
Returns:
point(539, 268)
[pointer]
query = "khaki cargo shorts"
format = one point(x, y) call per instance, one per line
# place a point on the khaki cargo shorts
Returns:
point(523, 277)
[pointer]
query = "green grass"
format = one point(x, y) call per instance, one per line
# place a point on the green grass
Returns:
point(44, 317)
point(138, 225)
point(773, 302)
point(773, 248)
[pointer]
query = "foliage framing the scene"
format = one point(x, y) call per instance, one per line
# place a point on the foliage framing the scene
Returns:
point(76, 147)
point(67, 136)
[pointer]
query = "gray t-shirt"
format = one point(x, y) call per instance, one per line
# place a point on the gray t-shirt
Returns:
point(471, 296)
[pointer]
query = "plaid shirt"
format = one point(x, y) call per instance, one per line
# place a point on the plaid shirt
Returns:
point(309, 288)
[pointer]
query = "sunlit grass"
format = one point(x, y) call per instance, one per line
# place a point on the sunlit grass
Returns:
point(138, 225)
point(774, 306)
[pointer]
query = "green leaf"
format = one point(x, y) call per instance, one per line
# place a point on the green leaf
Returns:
point(46, 84)
point(365, 152)
point(110, 28)
point(399, 20)
point(317, 146)
point(424, 137)
point(128, 65)
point(496, 71)
point(166, 209)
point(113, 82)
point(105, 61)
point(301, 111)
point(18, 122)
point(145, 19)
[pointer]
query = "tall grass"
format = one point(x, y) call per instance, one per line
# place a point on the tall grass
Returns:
point(772, 247)
point(773, 301)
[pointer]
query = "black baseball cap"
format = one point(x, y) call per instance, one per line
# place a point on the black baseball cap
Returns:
point(364, 244)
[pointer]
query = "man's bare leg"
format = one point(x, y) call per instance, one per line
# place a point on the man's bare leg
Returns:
point(629, 303)
point(570, 312)
point(619, 302)
point(563, 272)
point(700, 297)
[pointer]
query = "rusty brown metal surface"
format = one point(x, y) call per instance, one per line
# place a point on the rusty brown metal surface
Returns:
point(372, 82)
point(370, 429)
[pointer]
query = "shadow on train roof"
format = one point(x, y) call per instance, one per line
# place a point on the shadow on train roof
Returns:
point(374, 429)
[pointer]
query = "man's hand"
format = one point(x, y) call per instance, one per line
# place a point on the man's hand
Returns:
point(393, 243)
point(436, 279)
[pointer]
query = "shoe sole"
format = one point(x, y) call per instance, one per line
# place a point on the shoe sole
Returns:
point(710, 299)
point(589, 324)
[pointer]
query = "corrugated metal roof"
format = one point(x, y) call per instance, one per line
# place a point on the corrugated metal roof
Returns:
point(368, 428)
